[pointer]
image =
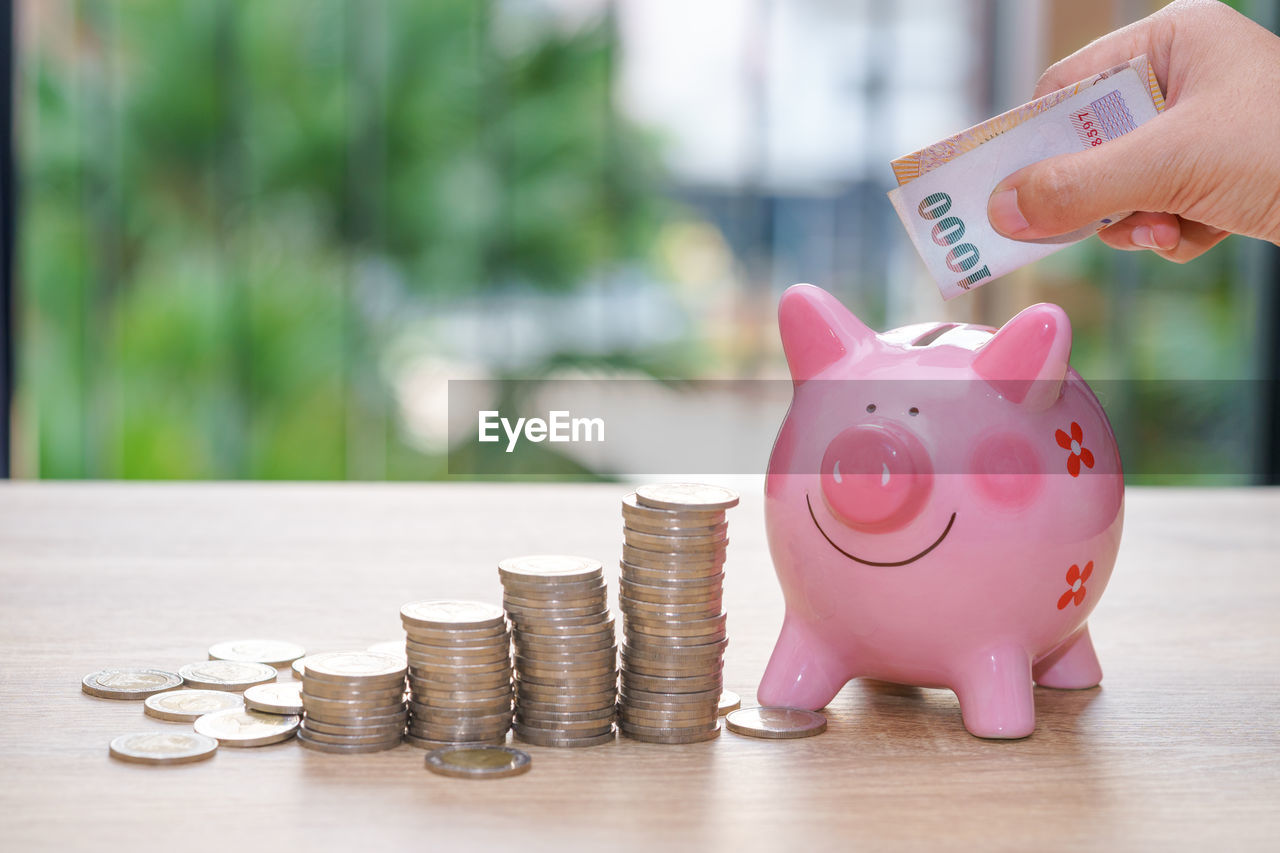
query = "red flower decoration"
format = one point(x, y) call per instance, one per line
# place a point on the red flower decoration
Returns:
point(1075, 443)
point(1075, 579)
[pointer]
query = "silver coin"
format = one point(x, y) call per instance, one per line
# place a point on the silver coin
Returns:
point(247, 728)
point(580, 606)
point(355, 739)
point(559, 567)
point(129, 683)
point(540, 588)
point(674, 684)
point(186, 706)
point(387, 727)
point(678, 572)
point(347, 749)
point(539, 737)
point(685, 628)
point(341, 708)
point(687, 652)
point(355, 666)
point(691, 546)
point(684, 517)
point(776, 723)
point(671, 736)
point(456, 636)
point(691, 565)
point(283, 697)
point(490, 762)
point(628, 693)
point(449, 613)
point(667, 611)
point(673, 581)
point(663, 719)
point(428, 744)
point(163, 747)
point(226, 674)
point(686, 496)
point(271, 652)
point(677, 526)
point(425, 693)
point(595, 708)
point(467, 734)
point(345, 693)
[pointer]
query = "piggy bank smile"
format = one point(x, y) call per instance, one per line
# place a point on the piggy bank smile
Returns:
point(885, 564)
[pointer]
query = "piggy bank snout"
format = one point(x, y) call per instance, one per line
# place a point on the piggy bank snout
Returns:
point(875, 477)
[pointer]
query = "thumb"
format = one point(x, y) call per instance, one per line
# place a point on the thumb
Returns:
point(1068, 192)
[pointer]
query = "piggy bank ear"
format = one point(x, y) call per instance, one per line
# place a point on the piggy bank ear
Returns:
point(1026, 360)
point(817, 330)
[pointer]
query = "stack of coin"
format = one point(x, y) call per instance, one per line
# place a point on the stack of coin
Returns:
point(675, 535)
point(459, 656)
point(353, 702)
point(566, 662)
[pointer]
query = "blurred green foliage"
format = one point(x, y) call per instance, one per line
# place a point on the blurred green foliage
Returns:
point(230, 206)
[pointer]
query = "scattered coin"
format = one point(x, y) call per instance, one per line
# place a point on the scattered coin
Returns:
point(239, 727)
point(226, 674)
point(471, 762)
point(729, 701)
point(270, 652)
point(129, 683)
point(163, 747)
point(776, 722)
point(280, 697)
point(186, 706)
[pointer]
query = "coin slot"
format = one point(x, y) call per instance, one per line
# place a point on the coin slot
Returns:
point(933, 334)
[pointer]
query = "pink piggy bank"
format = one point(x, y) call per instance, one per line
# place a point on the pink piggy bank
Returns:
point(943, 505)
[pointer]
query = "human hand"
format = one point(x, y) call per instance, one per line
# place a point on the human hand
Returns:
point(1206, 167)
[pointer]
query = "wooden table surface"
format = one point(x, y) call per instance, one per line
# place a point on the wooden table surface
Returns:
point(1180, 747)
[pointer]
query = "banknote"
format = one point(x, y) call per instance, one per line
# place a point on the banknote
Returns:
point(942, 190)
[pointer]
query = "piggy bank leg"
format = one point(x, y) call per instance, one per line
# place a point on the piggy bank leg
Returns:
point(802, 672)
point(995, 694)
point(1071, 666)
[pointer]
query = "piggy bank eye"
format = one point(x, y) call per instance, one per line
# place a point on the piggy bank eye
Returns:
point(871, 407)
point(1007, 471)
point(913, 411)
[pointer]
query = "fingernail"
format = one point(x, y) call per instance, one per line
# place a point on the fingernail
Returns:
point(1166, 236)
point(1143, 236)
point(1002, 210)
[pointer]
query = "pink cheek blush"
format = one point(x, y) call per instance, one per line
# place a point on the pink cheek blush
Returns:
point(1007, 471)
